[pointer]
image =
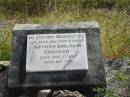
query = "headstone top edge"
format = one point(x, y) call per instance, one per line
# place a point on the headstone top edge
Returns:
point(72, 25)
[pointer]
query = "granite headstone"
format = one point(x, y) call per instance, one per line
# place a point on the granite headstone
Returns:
point(55, 56)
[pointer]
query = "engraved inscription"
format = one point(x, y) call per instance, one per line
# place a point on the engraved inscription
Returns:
point(56, 52)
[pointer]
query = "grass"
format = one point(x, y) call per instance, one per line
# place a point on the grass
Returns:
point(114, 26)
point(32, 7)
point(5, 45)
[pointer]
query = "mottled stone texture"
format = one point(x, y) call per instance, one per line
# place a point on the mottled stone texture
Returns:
point(66, 93)
point(22, 82)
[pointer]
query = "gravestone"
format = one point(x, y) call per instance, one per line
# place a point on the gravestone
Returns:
point(56, 52)
point(56, 57)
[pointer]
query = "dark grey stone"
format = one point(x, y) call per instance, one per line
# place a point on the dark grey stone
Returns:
point(1, 94)
point(22, 82)
point(22, 96)
point(115, 63)
point(128, 69)
point(3, 81)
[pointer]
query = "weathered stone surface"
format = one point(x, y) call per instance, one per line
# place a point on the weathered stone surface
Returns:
point(66, 93)
point(23, 96)
point(112, 66)
point(1, 94)
point(3, 81)
point(128, 69)
point(83, 80)
point(44, 93)
point(115, 63)
point(56, 52)
point(3, 77)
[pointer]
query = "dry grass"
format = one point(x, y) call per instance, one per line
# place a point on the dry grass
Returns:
point(114, 25)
